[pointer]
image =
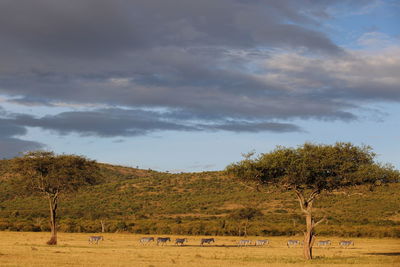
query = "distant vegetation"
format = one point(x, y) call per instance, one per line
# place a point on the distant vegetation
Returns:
point(207, 203)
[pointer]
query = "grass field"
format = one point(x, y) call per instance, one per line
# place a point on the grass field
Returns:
point(29, 249)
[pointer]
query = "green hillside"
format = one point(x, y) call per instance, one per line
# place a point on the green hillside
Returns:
point(145, 201)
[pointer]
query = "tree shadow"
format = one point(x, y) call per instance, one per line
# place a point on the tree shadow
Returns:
point(384, 253)
point(209, 246)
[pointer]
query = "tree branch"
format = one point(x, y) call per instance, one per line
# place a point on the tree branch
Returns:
point(313, 195)
point(320, 221)
point(249, 186)
point(302, 202)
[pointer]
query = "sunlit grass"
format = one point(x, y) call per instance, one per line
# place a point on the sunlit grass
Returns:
point(29, 249)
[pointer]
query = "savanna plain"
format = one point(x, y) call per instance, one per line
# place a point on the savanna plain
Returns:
point(29, 249)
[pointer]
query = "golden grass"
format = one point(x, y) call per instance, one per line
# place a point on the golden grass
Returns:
point(29, 249)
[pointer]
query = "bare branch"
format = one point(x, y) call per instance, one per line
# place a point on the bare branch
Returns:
point(249, 186)
point(320, 221)
point(302, 202)
point(313, 195)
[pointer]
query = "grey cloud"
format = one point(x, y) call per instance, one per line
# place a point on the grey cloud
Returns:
point(256, 127)
point(219, 95)
point(9, 128)
point(29, 101)
point(126, 123)
point(100, 28)
point(104, 123)
point(11, 146)
point(103, 37)
point(195, 84)
point(201, 60)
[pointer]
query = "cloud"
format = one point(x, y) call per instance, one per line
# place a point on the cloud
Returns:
point(146, 52)
point(255, 127)
point(9, 145)
point(100, 28)
point(362, 76)
point(109, 123)
point(228, 65)
point(102, 123)
point(126, 123)
point(377, 41)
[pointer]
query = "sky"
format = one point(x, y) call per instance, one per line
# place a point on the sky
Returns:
point(188, 85)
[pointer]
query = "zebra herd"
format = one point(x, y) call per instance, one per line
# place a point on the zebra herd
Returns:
point(95, 239)
point(179, 241)
point(161, 241)
point(322, 243)
point(182, 241)
point(245, 243)
point(242, 243)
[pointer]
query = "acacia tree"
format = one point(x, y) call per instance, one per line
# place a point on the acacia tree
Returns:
point(311, 169)
point(51, 175)
point(244, 216)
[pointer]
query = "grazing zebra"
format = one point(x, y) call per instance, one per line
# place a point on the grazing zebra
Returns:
point(346, 243)
point(324, 243)
point(293, 243)
point(180, 241)
point(206, 241)
point(163, 240)
point(95, 239)
point(244, 243)
point(146, 240)
point(261, 242)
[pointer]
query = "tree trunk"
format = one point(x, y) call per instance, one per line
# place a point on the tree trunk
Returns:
point(308, 237)
point(53, 223)
point(306, 208)
point(103, 227)
point(245, 227)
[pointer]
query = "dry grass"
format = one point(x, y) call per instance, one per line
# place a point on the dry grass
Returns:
point(29, 249)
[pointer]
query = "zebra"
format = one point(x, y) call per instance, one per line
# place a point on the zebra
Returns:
point(95, 239)
point(180, 241)
point(261, 242)
point(324, 243)
point(146, 240)
point(345, 243)
point(244, 243)
point(293, 243)
point(163, 240)
point(206, 241)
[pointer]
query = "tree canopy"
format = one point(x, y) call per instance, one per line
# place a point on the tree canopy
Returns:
point(313, 166)
point(45, 172)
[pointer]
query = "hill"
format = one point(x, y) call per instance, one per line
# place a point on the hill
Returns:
point(146, 201)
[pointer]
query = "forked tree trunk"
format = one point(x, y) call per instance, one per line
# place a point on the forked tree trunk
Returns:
point(53, 199)
point(309, 236)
